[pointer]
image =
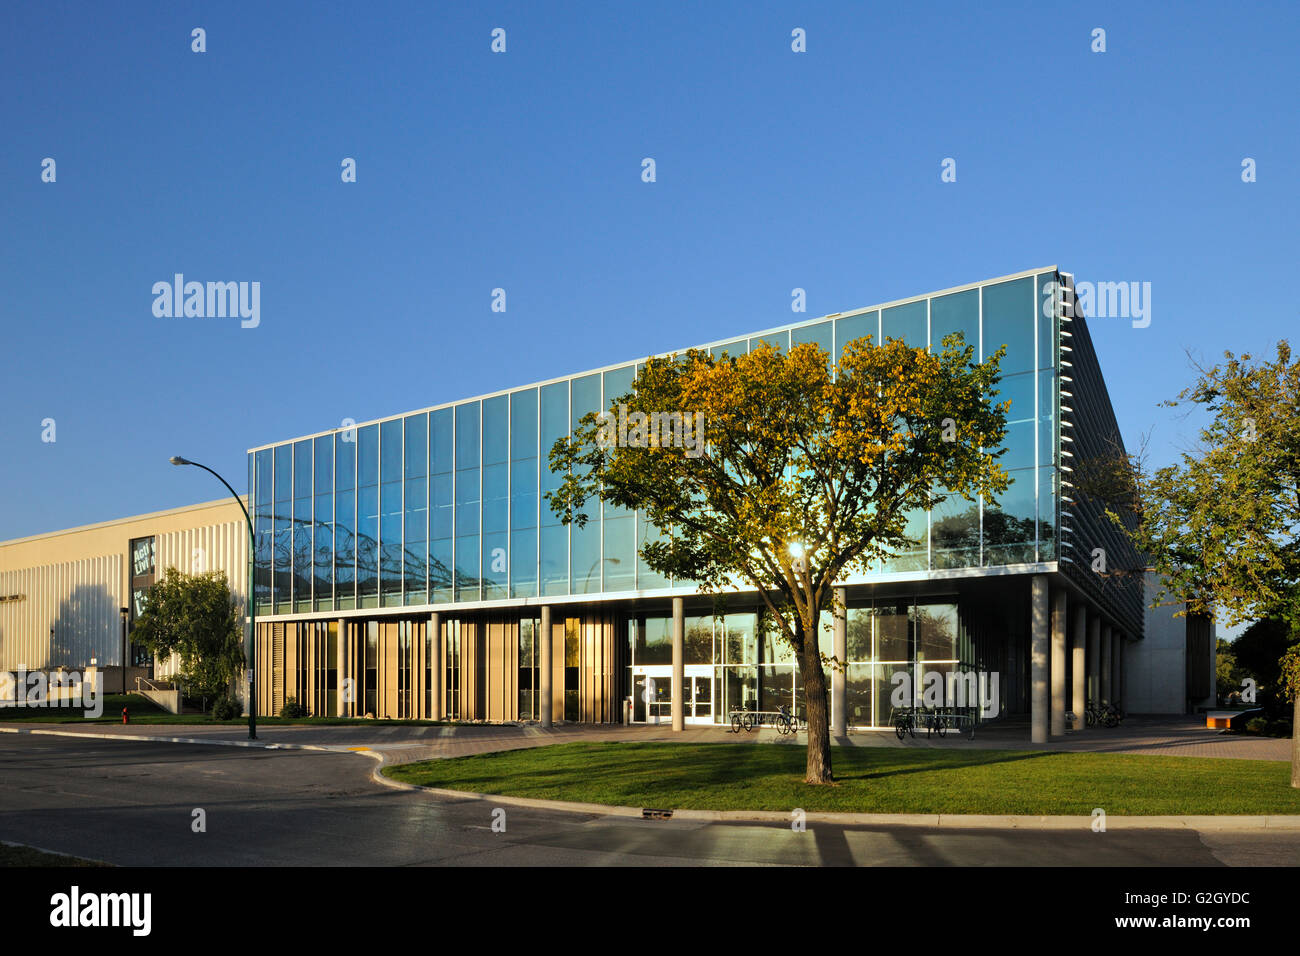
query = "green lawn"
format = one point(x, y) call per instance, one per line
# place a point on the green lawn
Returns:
point(11, 855)
point(143, 711)
point(870, 780)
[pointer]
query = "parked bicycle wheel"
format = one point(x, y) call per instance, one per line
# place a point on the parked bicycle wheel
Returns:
point(941, 725)
point(735, 723)
point(899, 727)
point(747, 722)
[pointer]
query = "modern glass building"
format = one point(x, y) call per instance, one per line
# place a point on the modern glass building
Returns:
point(411, 567)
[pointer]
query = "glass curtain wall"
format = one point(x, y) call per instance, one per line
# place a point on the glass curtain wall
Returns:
point(449, 505)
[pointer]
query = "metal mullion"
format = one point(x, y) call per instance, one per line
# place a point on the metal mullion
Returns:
point(481, 466)
point(455, 501)
point(401, 591)
point(537, 501)
point(979, 299)
point(510, 507)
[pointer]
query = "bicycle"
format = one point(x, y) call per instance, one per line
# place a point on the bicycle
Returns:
point(786, 722)
point(936, 722)
point(904, 722)
point(1110, 716)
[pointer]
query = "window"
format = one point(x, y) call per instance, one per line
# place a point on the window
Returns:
point(1009, 320)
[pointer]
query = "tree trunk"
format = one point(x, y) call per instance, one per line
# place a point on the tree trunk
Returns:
point(819, 725)
point(1295, 741)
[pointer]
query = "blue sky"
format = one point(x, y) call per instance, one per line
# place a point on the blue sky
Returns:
point(522, 170)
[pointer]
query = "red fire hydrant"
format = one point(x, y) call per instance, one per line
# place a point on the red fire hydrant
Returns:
point(124, 717)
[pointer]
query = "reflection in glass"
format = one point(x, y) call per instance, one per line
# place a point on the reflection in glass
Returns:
point(1009, 526)
point(907, 322)
point(368, 515)
point(958, 312)
point(856, 327)
point(1009, 320)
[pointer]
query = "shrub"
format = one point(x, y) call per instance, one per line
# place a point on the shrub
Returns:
point(227, 708)
point(1256, 725)
point(293, 709)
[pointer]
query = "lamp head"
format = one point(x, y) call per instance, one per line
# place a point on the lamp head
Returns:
point(178, 460)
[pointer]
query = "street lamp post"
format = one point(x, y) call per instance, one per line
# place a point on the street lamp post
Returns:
point(251, 595)
point(124, 612)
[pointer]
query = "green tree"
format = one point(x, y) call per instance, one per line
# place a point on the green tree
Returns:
point(195, 617)
point(1226, 672)
point(1221, 525)
point(804, 472)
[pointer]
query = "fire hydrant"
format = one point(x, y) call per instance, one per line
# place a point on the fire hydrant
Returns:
point(124, 717)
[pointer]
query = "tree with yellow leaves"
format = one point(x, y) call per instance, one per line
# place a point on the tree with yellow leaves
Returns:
point(804, 472)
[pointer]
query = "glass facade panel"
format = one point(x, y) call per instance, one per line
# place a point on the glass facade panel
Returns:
point(618, 549)
point(323, 524)
point(618, 384)
point(263, 518)
point(1047, 514)
point(893, 631)
point(1048, 451)
point(955, 532)
point(368, 516)
point(468, 492)
point(1047, 298)
point(1009, 526)
point(1009, 321)
point(907, 322)
point(858, 633)
point(390, 522)
point(697, 641)
point(496, 496)
point(917, 557)
point(731, 349)
point(345, 519)
point(741, 639)
point(282, 575)
point(780, 339)
point(855, 327)
point(554, 536)
point(585, 543)
point(654, 642)
point(959, 312)
point(415, 525)
point(302, 525)
point(821, 334)
point(646, 579)
point(523, 493)
point(936, 632)
point(442, 504)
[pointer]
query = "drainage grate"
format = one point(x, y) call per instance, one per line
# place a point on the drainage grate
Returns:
point(650, 814)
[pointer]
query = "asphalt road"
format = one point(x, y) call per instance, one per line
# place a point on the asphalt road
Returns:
point(133, 803)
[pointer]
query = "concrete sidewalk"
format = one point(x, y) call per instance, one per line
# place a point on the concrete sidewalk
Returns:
point(1159, 736)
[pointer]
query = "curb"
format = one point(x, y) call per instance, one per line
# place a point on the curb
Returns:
point(953, 821)
point(152, 738)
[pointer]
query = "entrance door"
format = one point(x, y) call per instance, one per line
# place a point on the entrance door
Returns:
point(652, 698)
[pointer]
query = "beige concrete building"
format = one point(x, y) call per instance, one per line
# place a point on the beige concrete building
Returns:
point(66, 596)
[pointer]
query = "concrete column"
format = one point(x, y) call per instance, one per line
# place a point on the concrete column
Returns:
point(341, 655)
point(1059, 620)
point(839, 713)
point(1094, 657)
point(1039, 659)
point(1117, 670)
point(1078, 665)
point(544, 667)
point(679, 669)
point(1106, 647)
point(435, 664)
